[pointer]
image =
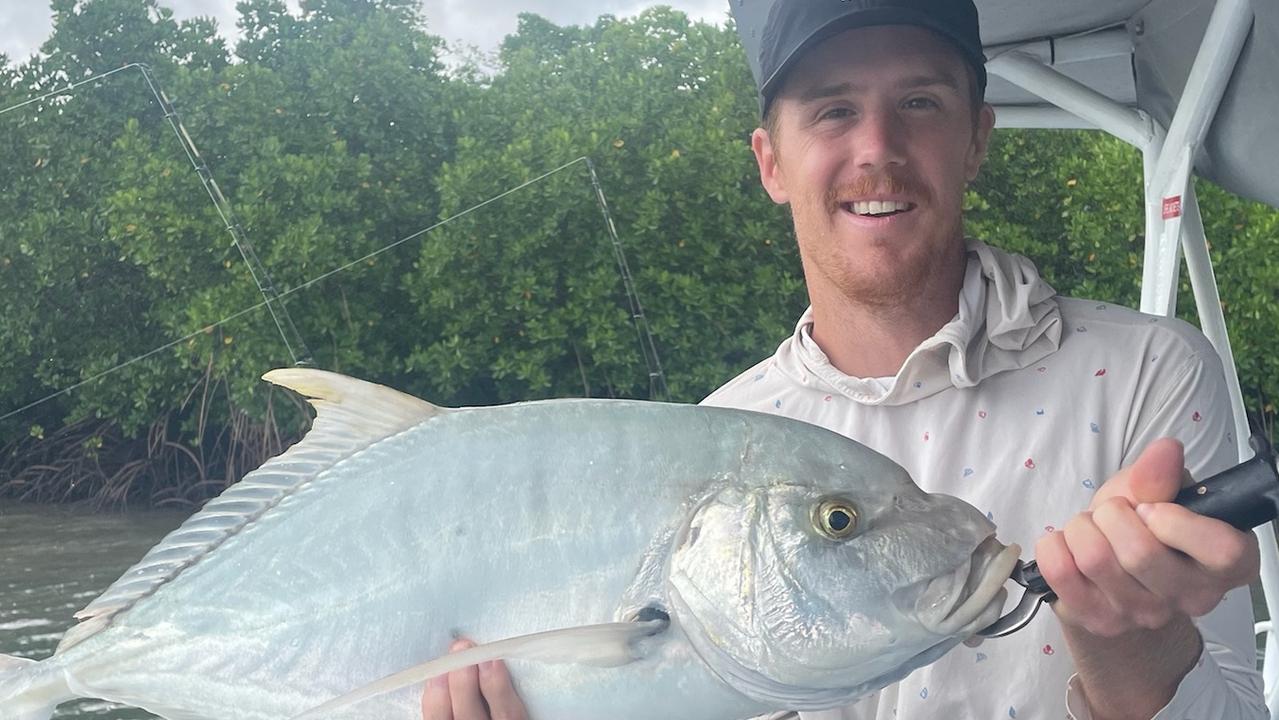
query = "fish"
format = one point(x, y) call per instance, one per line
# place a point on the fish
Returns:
point(630, 560)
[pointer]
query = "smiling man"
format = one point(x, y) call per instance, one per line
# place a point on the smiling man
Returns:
point(873, 158)
point(1067, 421)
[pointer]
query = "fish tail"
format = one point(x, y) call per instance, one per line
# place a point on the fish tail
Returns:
point(27, 692)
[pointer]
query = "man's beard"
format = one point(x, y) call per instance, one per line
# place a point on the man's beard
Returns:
point(842, 270)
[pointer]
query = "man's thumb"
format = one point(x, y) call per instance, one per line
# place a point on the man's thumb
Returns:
point(1155, 476)
point(1157, 473)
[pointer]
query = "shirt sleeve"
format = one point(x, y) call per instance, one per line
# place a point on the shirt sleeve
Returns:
point(1194, 407)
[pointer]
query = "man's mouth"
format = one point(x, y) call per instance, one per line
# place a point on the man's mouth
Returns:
point(877, 208)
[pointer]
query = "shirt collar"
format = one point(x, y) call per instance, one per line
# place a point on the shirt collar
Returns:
point(1008, 318)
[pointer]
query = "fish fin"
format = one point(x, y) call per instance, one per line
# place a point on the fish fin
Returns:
point(604, 645)
point(350, 415)
point(361, 407)
point(24, 697)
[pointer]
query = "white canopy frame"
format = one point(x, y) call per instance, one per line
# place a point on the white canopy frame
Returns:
point(1173, 223)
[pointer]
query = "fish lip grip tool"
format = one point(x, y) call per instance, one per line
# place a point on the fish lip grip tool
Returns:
point(1246, 496)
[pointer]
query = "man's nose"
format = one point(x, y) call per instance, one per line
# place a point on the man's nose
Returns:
point(879, 141)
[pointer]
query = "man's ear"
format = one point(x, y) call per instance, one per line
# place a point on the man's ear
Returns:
point(770, 175)
point(981, 141)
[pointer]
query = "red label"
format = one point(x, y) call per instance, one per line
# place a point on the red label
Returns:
point(1172, 207)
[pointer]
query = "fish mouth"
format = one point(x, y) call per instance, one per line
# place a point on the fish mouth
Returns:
point(958, 602)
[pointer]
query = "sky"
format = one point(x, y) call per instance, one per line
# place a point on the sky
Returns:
point(25, 24)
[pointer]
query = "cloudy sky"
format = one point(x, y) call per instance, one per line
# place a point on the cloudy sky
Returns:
point(24, 24)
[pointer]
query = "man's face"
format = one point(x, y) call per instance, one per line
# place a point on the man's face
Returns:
point(875, 140)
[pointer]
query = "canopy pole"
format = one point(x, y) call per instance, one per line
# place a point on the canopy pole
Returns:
point(1154, 219)
point(1169, 183)
point(1039, 117)
point(1084, 47)
point(1128, 124)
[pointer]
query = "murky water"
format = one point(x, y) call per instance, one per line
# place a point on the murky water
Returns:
point(53, 561)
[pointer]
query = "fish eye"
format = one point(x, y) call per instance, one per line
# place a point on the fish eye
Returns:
point(835, 518)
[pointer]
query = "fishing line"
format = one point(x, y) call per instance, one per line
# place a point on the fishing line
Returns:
point(293, 342)
point(273, 299)
point(423, 231)
point(290, 291)
point(67, 89)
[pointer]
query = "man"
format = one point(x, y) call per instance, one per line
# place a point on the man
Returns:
point(956, 360)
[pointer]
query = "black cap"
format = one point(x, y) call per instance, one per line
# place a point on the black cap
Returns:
point(776, 33)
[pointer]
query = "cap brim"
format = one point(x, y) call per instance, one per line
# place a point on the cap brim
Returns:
point(870, 17)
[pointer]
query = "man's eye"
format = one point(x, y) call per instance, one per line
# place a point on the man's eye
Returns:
point(920, 103)
point(835, 114)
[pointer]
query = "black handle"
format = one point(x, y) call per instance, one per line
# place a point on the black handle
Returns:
point(1246, 496)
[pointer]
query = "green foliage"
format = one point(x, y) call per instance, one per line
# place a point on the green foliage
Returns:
point(1072, 202)
point(337, 131)
point(110, 246)
point(663, 107)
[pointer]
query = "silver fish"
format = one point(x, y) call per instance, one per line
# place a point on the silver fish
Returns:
point(629, 560)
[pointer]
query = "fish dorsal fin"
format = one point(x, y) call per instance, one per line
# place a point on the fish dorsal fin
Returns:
point(604, 645)
point(350, 415)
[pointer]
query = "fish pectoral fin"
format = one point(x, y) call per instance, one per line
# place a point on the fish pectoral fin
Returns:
point(604, 645)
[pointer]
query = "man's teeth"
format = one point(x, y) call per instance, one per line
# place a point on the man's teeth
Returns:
point(877, 207)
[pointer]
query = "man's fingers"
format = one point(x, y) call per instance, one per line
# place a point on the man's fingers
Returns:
point(436, 703)
point(1073, 589)
point(1229, 554)
point(1139, 551)
point(495, 683)
point(1099, 560)
point(1173, 583)
point(464, 689)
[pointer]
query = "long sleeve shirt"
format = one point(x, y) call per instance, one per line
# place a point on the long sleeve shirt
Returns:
point(1023, 405)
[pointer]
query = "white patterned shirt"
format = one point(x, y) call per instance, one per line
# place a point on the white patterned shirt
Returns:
point(1022, 405)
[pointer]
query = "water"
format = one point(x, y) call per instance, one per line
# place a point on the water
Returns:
point(53, 562)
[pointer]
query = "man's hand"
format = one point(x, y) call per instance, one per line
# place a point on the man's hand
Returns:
point(1129, 574)
point(475, 693)
point(1135, 561)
